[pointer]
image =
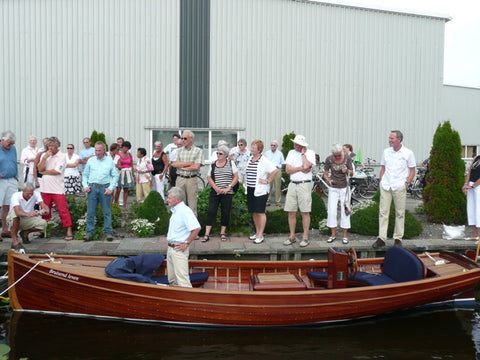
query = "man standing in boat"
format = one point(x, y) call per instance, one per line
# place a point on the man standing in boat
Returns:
point(100, 178)
point(182, 230)
point(397, 172)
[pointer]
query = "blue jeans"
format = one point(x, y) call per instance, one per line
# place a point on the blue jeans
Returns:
point(94, 197)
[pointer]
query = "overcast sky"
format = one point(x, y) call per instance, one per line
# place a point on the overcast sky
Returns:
point(462, 34)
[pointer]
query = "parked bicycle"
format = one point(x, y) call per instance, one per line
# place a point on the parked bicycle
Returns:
point(365, 182)
point(415, 189)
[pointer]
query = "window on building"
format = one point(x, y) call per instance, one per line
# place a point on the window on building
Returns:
point(206, 140)
point(470, 151)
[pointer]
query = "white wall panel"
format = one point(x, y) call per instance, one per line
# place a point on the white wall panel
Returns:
point(461, 106)
point(333, 73)
point(70, 67)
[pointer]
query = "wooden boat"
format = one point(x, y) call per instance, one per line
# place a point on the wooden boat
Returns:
point(244, 293)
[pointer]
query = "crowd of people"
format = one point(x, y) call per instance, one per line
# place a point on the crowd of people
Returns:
point(50, 175)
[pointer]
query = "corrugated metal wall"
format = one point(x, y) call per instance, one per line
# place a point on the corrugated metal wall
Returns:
point(333, 73)
point(330, 72)
point(461, 106)
point(68, 67)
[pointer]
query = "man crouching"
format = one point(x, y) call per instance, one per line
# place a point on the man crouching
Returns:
point(24, 217)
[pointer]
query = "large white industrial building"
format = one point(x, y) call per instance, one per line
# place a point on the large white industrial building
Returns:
point(143, 69)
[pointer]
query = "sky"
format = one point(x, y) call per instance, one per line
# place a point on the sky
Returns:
point(462, 34)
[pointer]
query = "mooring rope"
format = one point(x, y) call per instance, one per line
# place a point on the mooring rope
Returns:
point(50, 258)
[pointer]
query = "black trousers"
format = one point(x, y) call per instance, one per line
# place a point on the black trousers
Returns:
point(225, 203)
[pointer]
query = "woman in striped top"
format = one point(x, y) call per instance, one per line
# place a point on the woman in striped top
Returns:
point(222, 176)
point(260, 174)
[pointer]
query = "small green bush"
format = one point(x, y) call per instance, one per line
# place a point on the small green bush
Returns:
point(365, 222)
point(77, 206)
point(277, 220)
point(155, 211)
point(240, 218)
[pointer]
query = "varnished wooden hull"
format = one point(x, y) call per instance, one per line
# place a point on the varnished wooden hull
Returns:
point(77, 286)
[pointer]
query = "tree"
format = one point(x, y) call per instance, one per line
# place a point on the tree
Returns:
point(443, 200)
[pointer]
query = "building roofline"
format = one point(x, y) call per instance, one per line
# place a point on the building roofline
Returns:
point(355, 5)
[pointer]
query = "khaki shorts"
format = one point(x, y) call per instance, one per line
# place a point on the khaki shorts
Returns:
point(299, 197)
point(27, 223)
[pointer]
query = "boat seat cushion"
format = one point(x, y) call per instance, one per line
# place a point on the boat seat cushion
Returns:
point(197, 279)
point(399, 265)
point(402, 265)
point(139, 268)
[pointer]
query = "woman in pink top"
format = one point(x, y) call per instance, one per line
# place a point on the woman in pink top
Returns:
point(126, 179)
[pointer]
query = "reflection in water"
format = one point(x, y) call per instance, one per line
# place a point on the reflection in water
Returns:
point(432, 334)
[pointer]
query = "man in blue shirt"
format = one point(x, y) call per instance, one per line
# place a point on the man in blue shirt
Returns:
point(99, 180)
point(8, 176)
point(182, 230)
point(87, 153)
point(277, 159)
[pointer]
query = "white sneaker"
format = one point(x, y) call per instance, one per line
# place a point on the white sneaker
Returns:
point(289, 241)
point(252, 237)
point(345, 240)
point(258, 240)
point(304, 242)
point(331, 239)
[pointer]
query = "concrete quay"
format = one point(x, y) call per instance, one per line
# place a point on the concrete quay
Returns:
point(235, 248)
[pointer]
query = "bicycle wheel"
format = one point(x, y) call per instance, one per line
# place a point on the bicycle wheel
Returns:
point(200, 183)
point(417, 190)
point(363, 191)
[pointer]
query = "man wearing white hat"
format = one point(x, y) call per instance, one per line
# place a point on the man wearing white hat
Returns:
point(299, 164)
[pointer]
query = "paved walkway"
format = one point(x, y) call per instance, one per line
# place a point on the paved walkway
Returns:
point(237, 247)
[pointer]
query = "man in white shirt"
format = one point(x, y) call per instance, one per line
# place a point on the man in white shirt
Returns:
point(277, 159)
point(397, 172)
point(27, 158)
point(299, 164)
point(24, 217)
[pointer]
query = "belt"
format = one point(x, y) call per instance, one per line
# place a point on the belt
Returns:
point(301, 182)
point(173, 244)
point(187, 176)
point(98, 185)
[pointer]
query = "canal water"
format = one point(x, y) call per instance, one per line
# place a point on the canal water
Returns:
point(428, 333)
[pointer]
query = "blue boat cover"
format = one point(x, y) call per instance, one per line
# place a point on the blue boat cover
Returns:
point(139, 268)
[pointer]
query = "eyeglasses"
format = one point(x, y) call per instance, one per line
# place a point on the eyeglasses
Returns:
point(273, 145)
point(337, 155)
point(69, 148)
point(86, 142)
point(241, 144)
point(220, 153)
point(184, 138)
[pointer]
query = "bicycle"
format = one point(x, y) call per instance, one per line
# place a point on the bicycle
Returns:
point(415, 189)
point(366, 184)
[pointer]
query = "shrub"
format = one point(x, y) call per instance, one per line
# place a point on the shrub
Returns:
point(154, 210)
point(365, 222)
point(443, 200)
point(277, 220)
point(240, 218)
point(78, 212)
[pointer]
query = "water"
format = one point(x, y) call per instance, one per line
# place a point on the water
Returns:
point(431, 333)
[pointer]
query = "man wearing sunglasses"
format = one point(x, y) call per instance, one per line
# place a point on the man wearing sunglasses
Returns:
point(188, 161)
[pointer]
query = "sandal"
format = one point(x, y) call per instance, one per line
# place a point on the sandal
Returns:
point(24, 236)
point(223, 237)
point(206, 238)
point(68, 237)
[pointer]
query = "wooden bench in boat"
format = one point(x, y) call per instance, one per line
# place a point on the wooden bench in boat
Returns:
point(282, 281)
